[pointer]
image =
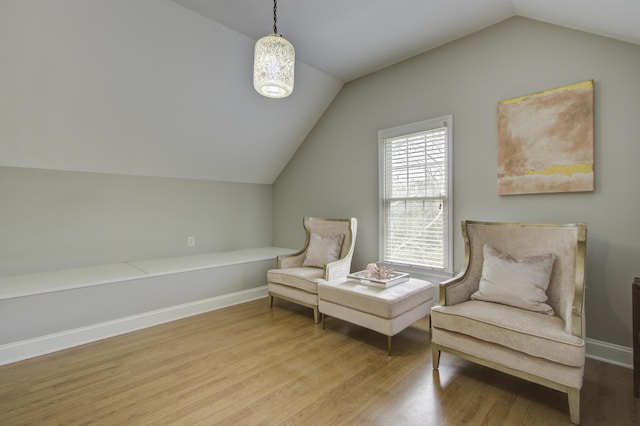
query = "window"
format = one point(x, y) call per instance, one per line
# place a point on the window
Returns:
point(415, 196)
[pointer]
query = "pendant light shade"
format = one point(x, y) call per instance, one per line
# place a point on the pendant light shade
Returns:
point(273, 64)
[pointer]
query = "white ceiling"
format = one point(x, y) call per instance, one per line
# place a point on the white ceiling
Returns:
point(347, 39)
point(351, 38)
point(164, 87)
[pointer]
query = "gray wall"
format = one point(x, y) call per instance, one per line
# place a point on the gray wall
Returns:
point(334, 172)
point(54, 219)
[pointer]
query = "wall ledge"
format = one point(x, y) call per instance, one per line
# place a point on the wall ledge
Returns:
point(68, 279)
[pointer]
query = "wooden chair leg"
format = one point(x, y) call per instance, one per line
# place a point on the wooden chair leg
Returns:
point(574, 405)
point(435, 356)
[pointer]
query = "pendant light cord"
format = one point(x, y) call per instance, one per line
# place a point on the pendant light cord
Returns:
point(275, 18)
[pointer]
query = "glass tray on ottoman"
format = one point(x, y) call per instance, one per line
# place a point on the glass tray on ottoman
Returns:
point(396, 278)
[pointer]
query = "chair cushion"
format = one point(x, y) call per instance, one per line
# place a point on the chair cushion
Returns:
point(516, 282)
point(384, 303)
point(518, 329)
point(496, 354)
point(323, 250)
point(303, 278)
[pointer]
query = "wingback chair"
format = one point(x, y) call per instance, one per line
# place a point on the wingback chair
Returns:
point(518, 304)
point(326, 256)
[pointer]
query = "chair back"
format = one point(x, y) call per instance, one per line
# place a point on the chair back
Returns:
point(332, 228)
point(566, 241)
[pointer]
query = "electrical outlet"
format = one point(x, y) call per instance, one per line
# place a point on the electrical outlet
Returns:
point(191, 241)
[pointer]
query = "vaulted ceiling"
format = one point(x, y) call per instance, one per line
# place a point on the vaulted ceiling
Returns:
point(348, 39)
point(164, 87)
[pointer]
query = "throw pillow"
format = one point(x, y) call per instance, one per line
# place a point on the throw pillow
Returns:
point(323, 250)
point(516, 282)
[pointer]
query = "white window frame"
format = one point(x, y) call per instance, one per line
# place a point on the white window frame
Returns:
point(408, 129)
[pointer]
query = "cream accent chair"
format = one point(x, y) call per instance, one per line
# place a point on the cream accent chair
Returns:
point(294, 281)
point(545, 349)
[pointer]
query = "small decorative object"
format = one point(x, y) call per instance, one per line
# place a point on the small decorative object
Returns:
point(383, 272)
point(545, 141)
point(380, 276)
point(371, 270)
point(378, 272)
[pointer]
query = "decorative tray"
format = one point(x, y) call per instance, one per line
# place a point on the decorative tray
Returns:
point(395, 279)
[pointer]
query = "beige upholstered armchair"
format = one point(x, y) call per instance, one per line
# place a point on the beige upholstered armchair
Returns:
point(518, 304)
point(326, 256)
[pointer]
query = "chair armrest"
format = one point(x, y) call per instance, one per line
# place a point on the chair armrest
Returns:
point(457, 289)
point(338, 269)
point(291, 261)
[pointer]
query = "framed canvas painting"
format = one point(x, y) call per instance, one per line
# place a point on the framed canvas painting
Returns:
point(545, 141)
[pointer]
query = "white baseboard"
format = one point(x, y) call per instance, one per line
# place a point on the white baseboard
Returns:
point(609, 353)
point(25, 349)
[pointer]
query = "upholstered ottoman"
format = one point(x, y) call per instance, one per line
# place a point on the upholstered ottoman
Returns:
point(385, 310)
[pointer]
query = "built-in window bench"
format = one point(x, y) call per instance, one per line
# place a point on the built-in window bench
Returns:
point(49, 311)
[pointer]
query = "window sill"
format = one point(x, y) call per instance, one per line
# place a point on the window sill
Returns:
point(422, 273)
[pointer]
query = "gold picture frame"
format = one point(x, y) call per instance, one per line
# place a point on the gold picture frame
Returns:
point(545, 141)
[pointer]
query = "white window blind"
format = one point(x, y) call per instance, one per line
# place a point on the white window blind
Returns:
point(415, 195)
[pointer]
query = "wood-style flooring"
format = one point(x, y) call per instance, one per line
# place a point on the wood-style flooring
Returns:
point(249, 365)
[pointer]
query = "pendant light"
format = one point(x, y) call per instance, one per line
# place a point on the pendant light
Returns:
point(273, 64)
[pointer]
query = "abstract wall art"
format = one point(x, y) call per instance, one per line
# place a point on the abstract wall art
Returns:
point(545, 141)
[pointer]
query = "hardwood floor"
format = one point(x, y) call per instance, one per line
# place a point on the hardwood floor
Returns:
point(247, 364)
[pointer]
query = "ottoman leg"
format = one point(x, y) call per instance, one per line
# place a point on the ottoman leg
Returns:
point(389, 344)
